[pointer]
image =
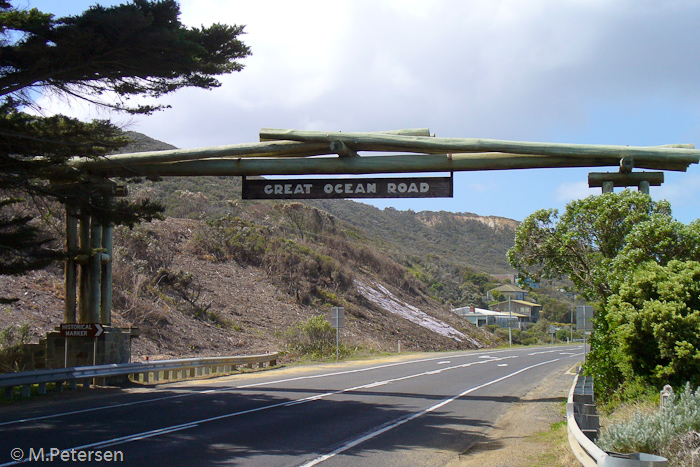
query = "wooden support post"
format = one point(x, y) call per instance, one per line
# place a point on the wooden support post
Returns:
point(106, 295)
point(84, 272)
point(70, 282)
point(608, 186)
point(644, 186)
point(95, 270)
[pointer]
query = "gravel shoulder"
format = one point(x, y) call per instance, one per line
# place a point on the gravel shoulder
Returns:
point(523, 435)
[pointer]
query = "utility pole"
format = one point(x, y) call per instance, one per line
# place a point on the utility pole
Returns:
point(510, 324)
point(571, 324)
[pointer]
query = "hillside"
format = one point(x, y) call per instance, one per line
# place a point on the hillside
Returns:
point(466, 239)
point(225, 276)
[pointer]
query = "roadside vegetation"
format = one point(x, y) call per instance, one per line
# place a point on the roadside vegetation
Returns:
point(640, 267)
point(316, 339)
point(13, 351)
point(672, 431)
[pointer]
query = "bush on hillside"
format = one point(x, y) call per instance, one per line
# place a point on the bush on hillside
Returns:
point(12, 347)
point(314, 338)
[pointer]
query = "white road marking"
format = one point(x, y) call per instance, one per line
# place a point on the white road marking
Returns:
point(543, 352)
point(184, 426)
point(208, 391)
point(401, 421)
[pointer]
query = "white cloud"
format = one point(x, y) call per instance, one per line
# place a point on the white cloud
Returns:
point(580, 71)
point(566, 192)
point(681, 191)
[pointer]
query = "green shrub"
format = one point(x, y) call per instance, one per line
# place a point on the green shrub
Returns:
point(231, 237)
point(652, 330)
point(657, 432)
point(314, 338)
point(12, 347)
point(563, 334)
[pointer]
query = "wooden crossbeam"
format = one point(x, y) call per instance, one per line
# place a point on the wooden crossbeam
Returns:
point(419, 144)
point(596, 180)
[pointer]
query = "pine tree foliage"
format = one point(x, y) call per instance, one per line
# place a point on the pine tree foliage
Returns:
point(134, 49)
point(105, 56)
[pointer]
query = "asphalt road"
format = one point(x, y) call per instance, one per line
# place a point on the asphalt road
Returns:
point(410, 410)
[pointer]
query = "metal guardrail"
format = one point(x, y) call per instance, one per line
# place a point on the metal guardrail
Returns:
point(141, 371)
point(581, 439)
point(585, 450)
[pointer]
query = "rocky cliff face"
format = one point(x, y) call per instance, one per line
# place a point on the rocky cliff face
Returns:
point(494, 222)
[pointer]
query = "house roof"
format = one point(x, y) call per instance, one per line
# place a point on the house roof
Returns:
point(517, 302)
point(508, 288)
point(483, 312)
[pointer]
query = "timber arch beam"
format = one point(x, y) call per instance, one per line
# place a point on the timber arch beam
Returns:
point(294, 152)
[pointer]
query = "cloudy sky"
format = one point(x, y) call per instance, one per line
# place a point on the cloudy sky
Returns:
point(621, 72)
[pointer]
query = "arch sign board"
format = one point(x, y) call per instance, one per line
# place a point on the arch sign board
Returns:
point(331, 188)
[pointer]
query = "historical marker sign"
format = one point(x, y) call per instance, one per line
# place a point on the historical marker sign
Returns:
point(81, 329)
point(312, 188)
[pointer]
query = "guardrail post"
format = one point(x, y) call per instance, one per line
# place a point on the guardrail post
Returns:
point(26, 390)
point(42, 389)
point(9, 392)
point(665, 395)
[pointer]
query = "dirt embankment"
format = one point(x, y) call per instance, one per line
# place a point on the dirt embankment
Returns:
point(251, 313)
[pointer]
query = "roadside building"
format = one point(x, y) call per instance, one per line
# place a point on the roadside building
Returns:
point(528, 309)
point(481, 317)
point(507, 290)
